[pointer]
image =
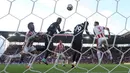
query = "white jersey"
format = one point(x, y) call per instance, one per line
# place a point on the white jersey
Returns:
point(28, 47)
point(59, 48)
point(28, 35)
point(99, 31)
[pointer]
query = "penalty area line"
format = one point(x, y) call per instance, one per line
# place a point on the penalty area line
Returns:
point(103, 72)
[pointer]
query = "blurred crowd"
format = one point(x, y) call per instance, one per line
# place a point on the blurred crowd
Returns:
point(87, 57)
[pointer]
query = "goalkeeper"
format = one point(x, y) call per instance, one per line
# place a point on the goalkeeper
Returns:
point(78, 40)
point(50, 32)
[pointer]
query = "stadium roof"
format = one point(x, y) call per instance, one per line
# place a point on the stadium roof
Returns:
point(126, 35)
point(19, 37)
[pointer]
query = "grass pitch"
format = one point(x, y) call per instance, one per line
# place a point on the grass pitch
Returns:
point(81, 68)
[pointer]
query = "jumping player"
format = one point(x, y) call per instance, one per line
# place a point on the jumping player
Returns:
point(78, 39)
point(28, 47)
point(29, 39)
point(50, 32)
point(101, 39)
point(59, 53)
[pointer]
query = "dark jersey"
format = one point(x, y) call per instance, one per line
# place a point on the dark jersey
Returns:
point(79, 29)
point(53, 28)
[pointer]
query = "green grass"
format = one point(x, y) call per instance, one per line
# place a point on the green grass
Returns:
point(82, 68)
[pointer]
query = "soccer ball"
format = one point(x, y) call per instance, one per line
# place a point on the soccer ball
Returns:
point(69, 7)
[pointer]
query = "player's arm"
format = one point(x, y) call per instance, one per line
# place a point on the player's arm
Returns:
point(94, 32)
point(59, 29)
point(32, 36)
point(57, 48)
point(75, 31)
point(55, 51)
point(63, 47)
point(40, 34)
point(36, 35)
point(108, 31)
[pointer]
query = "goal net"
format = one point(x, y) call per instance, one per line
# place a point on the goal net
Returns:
point(16, 14)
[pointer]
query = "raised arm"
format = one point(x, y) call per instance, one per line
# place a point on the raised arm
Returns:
point(108, 31)
point(94, 32)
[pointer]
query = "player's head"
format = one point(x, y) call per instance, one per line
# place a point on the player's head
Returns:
point(31, 26)
point(85, 23)
point(96, 23)
point(60, 41)
point(58, 20)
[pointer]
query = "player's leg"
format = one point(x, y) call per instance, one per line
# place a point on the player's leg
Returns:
point(57, 58)
point(22, 58)
point(33, 52)
point(46, 53)
point(77, 46)
point(47, 39)
point(108, 50)
point(29, 65)
point(74, 58)
point(46, 44)
point(63, 59)
point(77, 57)
point(23, 52)
point(74, 54)
point(99, 47)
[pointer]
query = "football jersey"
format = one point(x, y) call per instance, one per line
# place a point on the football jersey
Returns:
point(28, 35)
point(79, 29)
point(59, 48)
point(53, 27)
point(99, 31)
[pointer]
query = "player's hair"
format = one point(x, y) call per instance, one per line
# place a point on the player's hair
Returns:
point(30, 23)
point(59, 18)
point(96, 22)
